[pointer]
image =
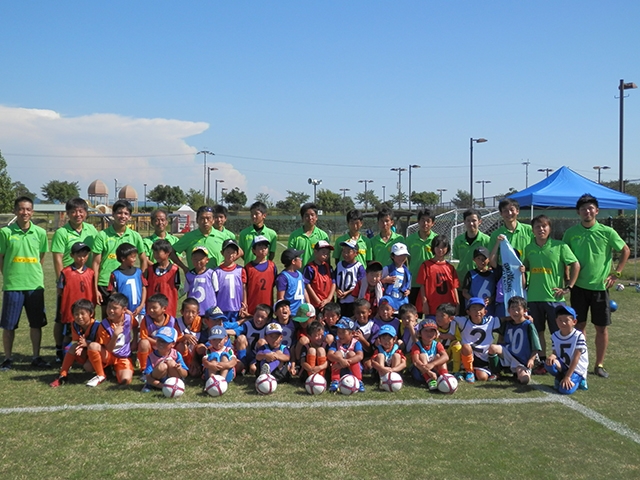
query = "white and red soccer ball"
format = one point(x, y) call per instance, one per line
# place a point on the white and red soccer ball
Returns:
point(447, 383)
point(266, 384)
point(349, 384)
point(315, 384)
point(173, 387)
point(216, 385)
point(391, 382)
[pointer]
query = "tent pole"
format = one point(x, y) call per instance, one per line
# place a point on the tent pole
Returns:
point(531, 210)
point(635, 253)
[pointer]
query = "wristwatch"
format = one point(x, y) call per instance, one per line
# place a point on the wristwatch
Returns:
point(617, 274)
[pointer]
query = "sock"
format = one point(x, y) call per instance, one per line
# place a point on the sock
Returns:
point(356, 370)
point(311, 360)
point(242, 354)
point(321, 361)
point(335, 375)
point(59, 351)
point(69, 358)
point(467, 362)
point(426, 377)
point(455, 356)
point(494, 364)
point(96, 362)
point(142, 359)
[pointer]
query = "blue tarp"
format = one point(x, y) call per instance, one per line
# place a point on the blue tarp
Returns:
point(563, 188)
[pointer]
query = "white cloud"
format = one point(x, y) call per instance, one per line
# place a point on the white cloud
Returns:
point(41, 145)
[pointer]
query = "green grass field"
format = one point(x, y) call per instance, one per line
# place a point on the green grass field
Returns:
point(485, 430)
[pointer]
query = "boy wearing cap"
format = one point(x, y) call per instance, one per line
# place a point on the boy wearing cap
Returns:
point(318, 276)
point(345, 354)
point(361, 243)
point(273, 357)
point(388, 356)
point(349, 271)
point(246, 239)
point(382, 242)
point(428, 356)
point(304, 239)
point(200, 282)
point(419, 248)
point(164, 361)
point(230, 280)
point(396, 277)
point(259, 276)
point(482, 280)
point(290, 282)
point(569, 361)
point(220, 359)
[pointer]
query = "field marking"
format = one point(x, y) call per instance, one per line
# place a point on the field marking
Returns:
point(283, 245)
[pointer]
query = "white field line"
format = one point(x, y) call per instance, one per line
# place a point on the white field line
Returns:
point(283, 245)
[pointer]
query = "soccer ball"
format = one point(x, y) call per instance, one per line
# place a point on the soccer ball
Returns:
point(266, 384)
point(315, 384)
point(349, 384)
point(447, 383)
point(216, 385)
point(638, 288)
point(613, 305)
point(619, 287)
point(173, 387)
point(391, 382)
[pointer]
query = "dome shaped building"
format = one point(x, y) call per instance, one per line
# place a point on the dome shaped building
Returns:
point(98, 193)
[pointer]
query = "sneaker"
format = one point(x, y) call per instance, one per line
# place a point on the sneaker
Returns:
point(432, 385)
point(39, 362)
point(264, 369)
point(601, 372)
point(361, 387)
point(525, 378)
point(95, 381)
point(333, 388)
point(143, 377)
point(469, 377)
point(583, 385)
point(556, 384)
point(6, 365)
point(540, 370)
point(146, 388)
point(459, 375)
point(61, 380)
point(492, 378)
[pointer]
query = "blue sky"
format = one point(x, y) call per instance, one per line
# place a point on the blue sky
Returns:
point(339, 91)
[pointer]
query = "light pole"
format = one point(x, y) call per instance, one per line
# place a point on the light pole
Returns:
point(440, 190)
point(623, 86)
point(472, 140)
point(366, 199)
point(215, 192)
point(526, 175)
point(204, 178)
point(399, 170)
point(599, 168)
point(315, 183)
point(145, 196)
point(344, 197)
point(115, 191)
point(483, 182)
point(410, 167)
point(384, 193)
point(546, 170)
point(222, 190)
point(206, 199)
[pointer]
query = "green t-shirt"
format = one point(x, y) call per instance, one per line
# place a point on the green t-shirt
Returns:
point(212, 242)
point(148, 243)
point(463, 251)
point(106, 243)
point(519, 238)
point(22, 269)
point(300, 241)
point(66, 236)
point(592, 247)
point(420, 251)
point(381, 250)
point(245, 239)
point(546, 269)
point(364, 254)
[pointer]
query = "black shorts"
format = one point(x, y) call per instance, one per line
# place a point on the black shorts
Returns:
point(544, 313)
point(105, 295)
point(346, 309)
point(413, 295)
point(33, 303)
point(583, 300)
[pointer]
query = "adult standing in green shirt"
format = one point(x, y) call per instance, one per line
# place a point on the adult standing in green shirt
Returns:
point(593, 245)
point(381, 243)
point(22, 249)
point(363, 252)
point(306, 237)
point(258, 228)
point(160, 222)
point(419, 246)
point(519, 234)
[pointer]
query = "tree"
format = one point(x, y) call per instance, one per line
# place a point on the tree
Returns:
point(60, 191)
point(370, 200)
point(425, 199)
point(21, 190)
point(347, 204)
point(264, 198)
point(462, 199)
point(291, 204)
point(329, 201)
point(6, 191)
point(235, 199)
point(195, 199)
point(167, 195)
point(399, 198)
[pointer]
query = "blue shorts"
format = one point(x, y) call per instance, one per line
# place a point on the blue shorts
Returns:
point(33, 303)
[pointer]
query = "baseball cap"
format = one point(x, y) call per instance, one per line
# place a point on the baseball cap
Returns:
point(216, 333)
point(322, 244)
point(260, 239)
point(304, 313)
point(200, 248)
point(230, 242)
point(399, 249)
point(429, 323)
point(351, 243)
point(166, 333)
point(385, 299)
point(79, 246)
point(279, 303)
point(566, 310)
point(289, 255)
point(214, 313)
point(346, 324)
point(387, 330)
point(273, 328)
point(475, 301)
point(481, 251)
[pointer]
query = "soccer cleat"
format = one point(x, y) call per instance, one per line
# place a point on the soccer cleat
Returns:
point(583, 385)
point(432, 385)
point(143, 377)
point(600, 371)
point(146, 388)
point(6, 365)
point(459, 375)
point(492, 378)
point(264, 369)
point(61, 380)
point(333, 388)
point(39, 362)
point(95, 381)
point(469, 377)
point(540, 370)
point(361, 387)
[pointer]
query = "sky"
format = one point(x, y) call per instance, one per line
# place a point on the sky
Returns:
point(285, 91)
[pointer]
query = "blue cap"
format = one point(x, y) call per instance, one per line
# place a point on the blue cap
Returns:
point(386, 299)
point(475, 301)
point(346, 324)
point(566, 310)
point(217, 333)
point(168, 334)
point(214, 313)
point(387, 330)
point(428, 323)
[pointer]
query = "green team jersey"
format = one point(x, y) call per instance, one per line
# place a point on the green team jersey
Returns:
point(212, 242)
point(66, 236)
point(381, 250)
point(546, 269)
point(364, 254)
point(420, 251)
point(106, 244)
point(245, 240)
point(519, 238)
point(593, 247)
point(300, 241)
point(463, 251)
point(22, 269)
point(148, 243)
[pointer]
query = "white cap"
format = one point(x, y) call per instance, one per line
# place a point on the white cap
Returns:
point(399, 249)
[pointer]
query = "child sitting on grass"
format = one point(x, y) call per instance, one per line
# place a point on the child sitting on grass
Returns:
point(156, 318)
point(449, 334)
point(428, 356)
point(313, 358)
point(345, 354)
point(220, 359)
point(164, 361)
point(273, 357)
point(388, 356)
point(189, 327)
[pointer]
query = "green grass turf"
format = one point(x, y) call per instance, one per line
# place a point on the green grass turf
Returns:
point(523, 440)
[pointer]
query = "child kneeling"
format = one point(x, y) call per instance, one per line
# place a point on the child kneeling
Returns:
point(165, 361)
